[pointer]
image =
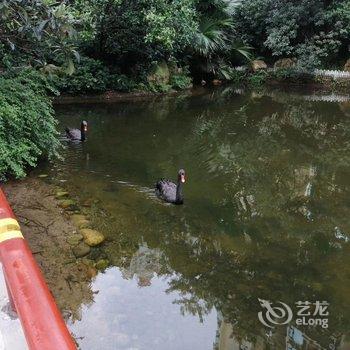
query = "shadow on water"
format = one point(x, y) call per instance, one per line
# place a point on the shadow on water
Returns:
point(265, 217)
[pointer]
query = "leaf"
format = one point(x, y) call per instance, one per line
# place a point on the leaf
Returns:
point(12, 45)
point(70, 67)
point(76, 55)
point(42, 25)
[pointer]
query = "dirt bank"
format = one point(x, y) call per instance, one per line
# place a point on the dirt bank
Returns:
point(46, 227)
point(114, 96)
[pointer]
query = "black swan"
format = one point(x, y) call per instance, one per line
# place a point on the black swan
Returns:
point(170, 192)
point(76, 134)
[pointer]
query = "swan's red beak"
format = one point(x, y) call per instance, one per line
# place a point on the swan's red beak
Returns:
point(183, 179)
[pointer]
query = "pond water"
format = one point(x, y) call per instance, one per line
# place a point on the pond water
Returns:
point(266, 216)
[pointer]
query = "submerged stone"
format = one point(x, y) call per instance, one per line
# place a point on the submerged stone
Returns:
point(86, 204)
point(92, 237)
point(81, 250)
point(61, 194)
point(80, 221)
point(74, 239)
point(102, 264)
point(88, 262)
point(67, 204)
point(91, 271)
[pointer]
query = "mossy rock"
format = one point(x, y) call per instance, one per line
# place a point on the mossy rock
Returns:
point(68, 204)
point(258, 65)
point(81, 250)
point(97, 253)
point(61, 194)
point(92, 237)
point(80, 221)
point(102, 264)
point(74, 239)
point(285, 63)
point(87, 203)
point(88, 262)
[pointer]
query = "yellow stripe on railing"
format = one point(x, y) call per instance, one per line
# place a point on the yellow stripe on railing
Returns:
point(9, 228)
point(9, 235)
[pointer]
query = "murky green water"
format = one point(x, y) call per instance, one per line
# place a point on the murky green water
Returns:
point(266, 216)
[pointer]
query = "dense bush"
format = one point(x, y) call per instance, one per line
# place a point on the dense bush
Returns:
point(93, 76)
point(316, 32)
point(122, 83)
point(37, 33)
point(181, 80)
point(90, 76)
point(133, 33)
point(27, 126)
point(258, 78)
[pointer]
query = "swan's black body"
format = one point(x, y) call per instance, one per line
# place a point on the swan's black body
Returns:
point(76, 134)
point(170, 192)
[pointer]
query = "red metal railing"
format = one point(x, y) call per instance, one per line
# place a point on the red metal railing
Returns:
point(43, 325)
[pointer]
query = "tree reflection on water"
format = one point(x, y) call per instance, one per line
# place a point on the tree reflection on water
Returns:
point(267, 211)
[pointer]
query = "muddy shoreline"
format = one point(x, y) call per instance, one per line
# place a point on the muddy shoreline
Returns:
point(116, 97)
point(47, 227)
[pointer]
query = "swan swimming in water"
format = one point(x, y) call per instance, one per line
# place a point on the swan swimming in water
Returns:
point(170, 192)
point(76, 134)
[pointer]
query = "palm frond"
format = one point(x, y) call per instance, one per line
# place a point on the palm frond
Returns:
point(211, 35)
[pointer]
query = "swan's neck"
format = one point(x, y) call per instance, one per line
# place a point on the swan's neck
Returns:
point(179, 196)
point(82, 130)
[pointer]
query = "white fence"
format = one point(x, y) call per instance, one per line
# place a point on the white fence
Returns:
point(336, 74)
point(332, 73)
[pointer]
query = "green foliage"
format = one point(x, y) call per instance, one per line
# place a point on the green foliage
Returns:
point(122, 83)
point(258, 78)
point(27, 127)
point(93, 76)
point(291, 76)
point(155, 87)
point(211, 35)
point(170, 25)
point(87, 12)
point(90, 76)
point(285, 74)
point(315, 32)
point(36, 32)
point(181, 80)
point(139, 32)
point(233, 75)
point(33, 78)
point(215, 44)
